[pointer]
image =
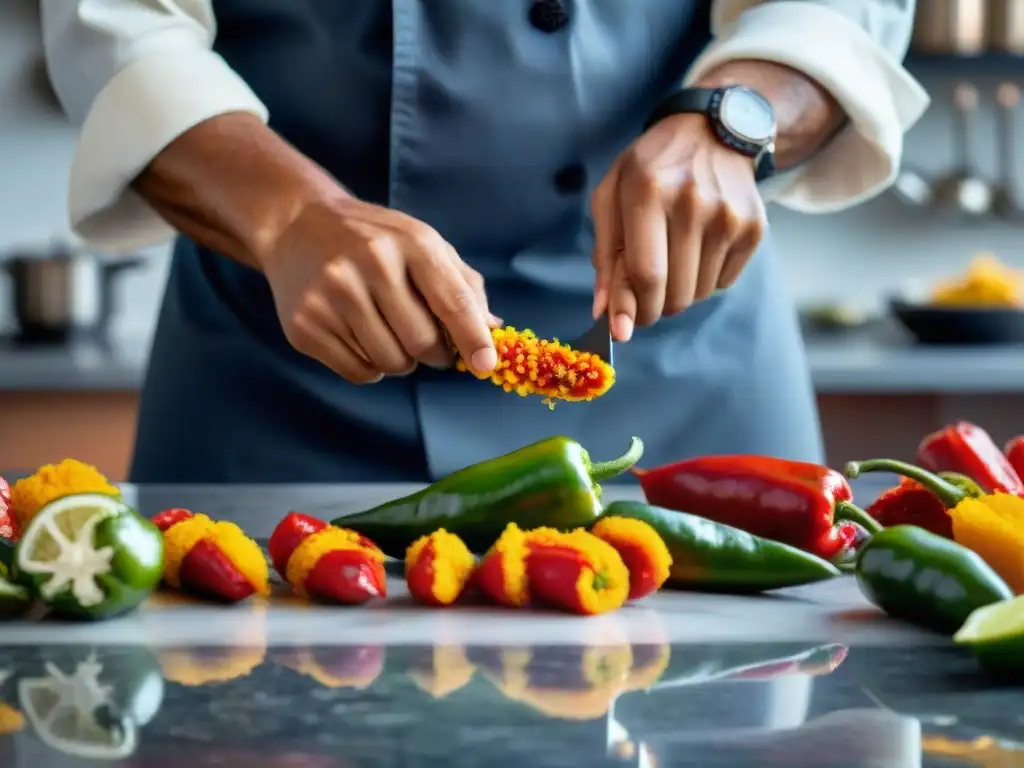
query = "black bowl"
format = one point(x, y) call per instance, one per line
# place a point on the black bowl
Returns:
point(949, 325)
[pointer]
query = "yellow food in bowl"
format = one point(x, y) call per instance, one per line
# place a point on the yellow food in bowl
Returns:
point(988, 283)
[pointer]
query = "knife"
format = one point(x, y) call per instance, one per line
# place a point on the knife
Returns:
point(597, 341)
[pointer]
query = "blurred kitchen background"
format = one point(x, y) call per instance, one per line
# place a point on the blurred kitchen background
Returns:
point(879, 389)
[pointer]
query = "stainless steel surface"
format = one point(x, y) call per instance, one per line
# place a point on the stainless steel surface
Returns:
point(63, 291)
point(597, 340)
point(965, 192)
point(950, 26)
point(1005, 25)
point(1006, 202)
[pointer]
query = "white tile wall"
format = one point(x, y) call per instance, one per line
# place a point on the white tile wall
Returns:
point(860, 255)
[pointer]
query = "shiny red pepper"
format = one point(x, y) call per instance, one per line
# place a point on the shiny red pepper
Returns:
point(969, 450)
point(1014, 451)
point(8, 528)
point(327, 563)
point(911, 504)
point(794, 502)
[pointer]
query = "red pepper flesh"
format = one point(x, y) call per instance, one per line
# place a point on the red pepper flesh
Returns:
point(793, 502)
point(8, 528)
point(555, 578)
point(349, 576)
point(1014, 451)
point(911, 504)
point(207, 572)
point(288, 534)
point(968, 449)
point(167, 518)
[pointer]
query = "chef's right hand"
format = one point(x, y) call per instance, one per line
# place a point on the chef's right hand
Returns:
point(362, 289)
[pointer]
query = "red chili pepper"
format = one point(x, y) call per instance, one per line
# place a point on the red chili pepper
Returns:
point(794, 502)
point(8, 526)
point(568, 578)
point(911, 504)
point(207, 572)
point(438, 568)
point(167, 518)
point(969, 450)
point(328, 563)
point(1014, 451)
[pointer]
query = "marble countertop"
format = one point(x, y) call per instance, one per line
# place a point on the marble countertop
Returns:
point(879, 360)
point(804, 677)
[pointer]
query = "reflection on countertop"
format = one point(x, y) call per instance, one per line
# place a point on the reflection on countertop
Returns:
point(877, 359)
point(598, 704)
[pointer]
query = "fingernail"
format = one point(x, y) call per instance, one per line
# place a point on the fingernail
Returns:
point(496, 322)
point(484, 360)
point(622, 327)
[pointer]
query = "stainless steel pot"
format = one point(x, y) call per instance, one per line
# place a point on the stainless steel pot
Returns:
point(1006, 26)
point(951, 26)
point(64, 293)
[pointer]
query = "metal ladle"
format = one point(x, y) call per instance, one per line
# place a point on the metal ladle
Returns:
point(1006, 203)
point(965, 192)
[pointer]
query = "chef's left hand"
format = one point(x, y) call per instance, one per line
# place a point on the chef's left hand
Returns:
point(677, 218)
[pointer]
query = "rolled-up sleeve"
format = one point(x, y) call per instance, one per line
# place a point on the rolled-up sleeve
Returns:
point(134, 75)
point(854, 48)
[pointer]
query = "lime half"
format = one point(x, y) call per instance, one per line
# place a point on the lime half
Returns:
point(73, 712)
point(58, 551)
point(996, 635)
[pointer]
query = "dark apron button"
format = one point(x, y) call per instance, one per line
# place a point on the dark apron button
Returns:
point(549, 15)
point(570, 180)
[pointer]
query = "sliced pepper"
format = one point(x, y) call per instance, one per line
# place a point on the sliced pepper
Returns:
point(642, 550)
point(550, 483)
point(212, 560)
point(327, 563)
point(990, 524)
point(794, 502)
point(969, 450)
point(8, 525)
point(438, 568)
point(579, 576)
point(1014, 451)
point(501, 574)
point(711, 556)
point(910, 503)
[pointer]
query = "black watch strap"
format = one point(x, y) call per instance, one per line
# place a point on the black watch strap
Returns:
point(705, 101)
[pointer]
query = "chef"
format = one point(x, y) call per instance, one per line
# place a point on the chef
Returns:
point(346, 177)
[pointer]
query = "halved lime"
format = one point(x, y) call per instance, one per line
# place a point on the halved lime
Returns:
point(89, 556)
point(73, 712)
point(995, 633)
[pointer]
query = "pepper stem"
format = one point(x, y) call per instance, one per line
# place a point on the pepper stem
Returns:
point(848, 512)
point(603, 470)
point(946, 492)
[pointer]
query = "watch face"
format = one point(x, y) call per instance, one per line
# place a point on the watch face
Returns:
point(748, 115)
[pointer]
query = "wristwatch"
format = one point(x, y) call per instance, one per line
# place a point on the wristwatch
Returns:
point(741, 118)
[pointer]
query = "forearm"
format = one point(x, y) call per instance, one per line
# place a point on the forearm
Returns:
point(806, 113)
point(233, 185)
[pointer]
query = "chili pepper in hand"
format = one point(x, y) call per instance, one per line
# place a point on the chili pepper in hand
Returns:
point(642, 550)
point(550, 483)
point(575, 572)
point(1014, 451)
point(438, 567)
point(714, 557)
point(793, 502)
point(215, 560)
point(969, 450)
point(327, 563)
point(990, 524)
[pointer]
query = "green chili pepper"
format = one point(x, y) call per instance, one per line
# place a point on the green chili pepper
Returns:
point(925, 579)
point(552, 483)
point(709, 556)
point(949, 487)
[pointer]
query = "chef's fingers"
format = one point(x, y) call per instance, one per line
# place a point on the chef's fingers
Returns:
point(685, 239)
point(714, 252)
point(358, 307)
point(604, 210)
point(621, 302)
point(454, 302)
point(645, 238)
point(740, 254)
point(412, 323)
point(312, 338)
point(476, 282)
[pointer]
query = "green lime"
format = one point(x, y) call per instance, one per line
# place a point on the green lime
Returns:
point(995, 633)
point(89, 556)
point(72, 711)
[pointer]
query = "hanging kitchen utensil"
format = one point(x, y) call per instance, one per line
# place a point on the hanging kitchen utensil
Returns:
point(913, 188)
point(63, 293)
point(965, 192)
point(950, 26)
point(1006, 202)
point(1005, 24)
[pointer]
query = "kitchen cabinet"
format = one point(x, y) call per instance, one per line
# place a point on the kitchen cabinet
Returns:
point(45, 427)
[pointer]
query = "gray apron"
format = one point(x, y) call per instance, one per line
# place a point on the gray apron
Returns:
point(492, 123)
